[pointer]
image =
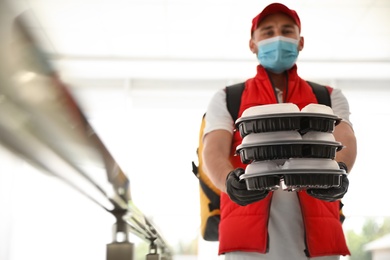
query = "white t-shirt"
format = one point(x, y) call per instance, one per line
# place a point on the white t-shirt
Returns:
point(285, 227)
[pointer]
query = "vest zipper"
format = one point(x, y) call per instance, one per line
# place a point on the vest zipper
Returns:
point(284, 93)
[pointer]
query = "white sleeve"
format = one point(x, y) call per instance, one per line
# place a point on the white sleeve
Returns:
point(340, 105)
point(217, 114)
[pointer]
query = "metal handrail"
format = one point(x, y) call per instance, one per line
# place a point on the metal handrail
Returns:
point(41, 122)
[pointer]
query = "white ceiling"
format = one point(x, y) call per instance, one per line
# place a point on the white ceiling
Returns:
point(134, 37)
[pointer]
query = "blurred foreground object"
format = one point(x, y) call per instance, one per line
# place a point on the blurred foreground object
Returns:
point(41, 122)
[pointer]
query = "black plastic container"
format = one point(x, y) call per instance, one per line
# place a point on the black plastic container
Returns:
point(317, 122)
point(294, 180)
point(312, 179)
point(270, 182)
point(302, 122)
point(268, 123)
point(289, 149)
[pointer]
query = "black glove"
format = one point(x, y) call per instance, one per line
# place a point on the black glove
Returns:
point(332, 194)
point(238, 192)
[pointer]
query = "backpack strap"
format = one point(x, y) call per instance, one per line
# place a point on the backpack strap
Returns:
point(233, 98)
point(233, 101)
point(321, 92)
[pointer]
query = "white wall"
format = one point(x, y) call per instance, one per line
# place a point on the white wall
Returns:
point(381, 254)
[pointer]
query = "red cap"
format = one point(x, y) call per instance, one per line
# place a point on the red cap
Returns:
point(272, 9)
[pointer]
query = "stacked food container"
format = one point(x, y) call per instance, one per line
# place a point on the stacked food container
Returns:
point(288, 147)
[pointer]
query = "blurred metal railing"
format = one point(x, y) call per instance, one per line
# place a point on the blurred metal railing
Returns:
point(41, 122)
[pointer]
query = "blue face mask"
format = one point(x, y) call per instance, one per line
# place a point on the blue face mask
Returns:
point(277, 54)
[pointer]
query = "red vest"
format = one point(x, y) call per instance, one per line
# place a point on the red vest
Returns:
point(245, 228)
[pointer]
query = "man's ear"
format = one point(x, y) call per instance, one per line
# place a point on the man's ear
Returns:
point(252, 45)
point(301, 43)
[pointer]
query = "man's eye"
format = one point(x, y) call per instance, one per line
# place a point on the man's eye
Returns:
point(269, 33)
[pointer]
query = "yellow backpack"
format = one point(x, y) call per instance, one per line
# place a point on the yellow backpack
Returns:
point(209, 194)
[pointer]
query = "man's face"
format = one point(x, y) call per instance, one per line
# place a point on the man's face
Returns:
point(273, 25)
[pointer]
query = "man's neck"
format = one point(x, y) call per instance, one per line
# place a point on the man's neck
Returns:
point(278, 80)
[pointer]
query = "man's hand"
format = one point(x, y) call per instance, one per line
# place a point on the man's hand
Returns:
point(332, 194)
point(238, 192)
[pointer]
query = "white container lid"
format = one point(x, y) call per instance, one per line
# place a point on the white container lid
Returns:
point(319, 136)
point(255, 138)
point(270, 109)
point(318, 108)
point(261, 166)
point(310, 163)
